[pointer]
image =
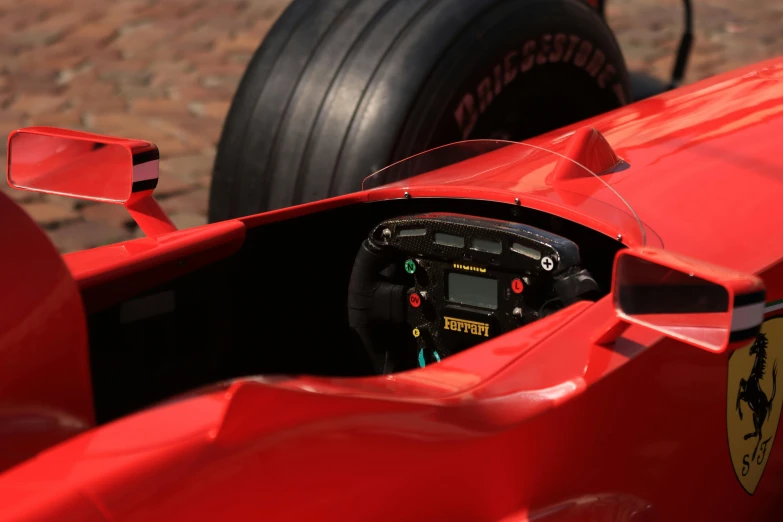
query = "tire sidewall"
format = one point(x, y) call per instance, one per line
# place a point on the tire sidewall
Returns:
point(519, 53)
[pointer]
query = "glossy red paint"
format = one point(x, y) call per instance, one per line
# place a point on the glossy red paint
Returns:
point(112, 273)
point(81, 161)
point(708, 329)
point(521, 440)
point(587, 148)
point(89, 166)
point(45, 390)
point(66, 166)
point(133, 145)
point(146, 212)
point(689, 148)
point(542, 423)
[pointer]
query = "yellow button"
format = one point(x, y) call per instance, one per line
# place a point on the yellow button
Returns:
point(416, 332)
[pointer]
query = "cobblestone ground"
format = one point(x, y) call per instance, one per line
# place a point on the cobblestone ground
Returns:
point(165, 71)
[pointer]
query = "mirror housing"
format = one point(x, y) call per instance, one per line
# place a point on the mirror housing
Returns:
point(91, 167)
point(703, 305)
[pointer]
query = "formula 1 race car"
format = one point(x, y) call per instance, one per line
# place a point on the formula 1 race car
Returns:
point(583, 326)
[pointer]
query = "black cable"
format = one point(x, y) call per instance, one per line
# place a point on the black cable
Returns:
point(684, 51)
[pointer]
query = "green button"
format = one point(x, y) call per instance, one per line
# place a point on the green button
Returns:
point(410, 266)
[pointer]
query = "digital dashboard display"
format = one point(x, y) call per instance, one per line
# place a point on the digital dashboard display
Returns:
point(472, 290)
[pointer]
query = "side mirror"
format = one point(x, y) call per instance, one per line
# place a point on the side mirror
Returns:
point(89, 166)
point(703, 305)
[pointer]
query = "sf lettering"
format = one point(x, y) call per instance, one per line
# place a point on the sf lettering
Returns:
point(747, 461)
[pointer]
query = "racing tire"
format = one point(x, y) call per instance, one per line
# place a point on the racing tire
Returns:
point(341, 88)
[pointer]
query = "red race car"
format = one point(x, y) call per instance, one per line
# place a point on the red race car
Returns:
point(583, 326)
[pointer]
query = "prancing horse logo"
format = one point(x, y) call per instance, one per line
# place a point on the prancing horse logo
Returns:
point(750, 390)
point(753, 410)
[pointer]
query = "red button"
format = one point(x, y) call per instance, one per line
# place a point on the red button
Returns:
point(517, 286)
point(414, 300)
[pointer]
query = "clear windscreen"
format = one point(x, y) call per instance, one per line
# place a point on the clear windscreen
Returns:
point(539, 177)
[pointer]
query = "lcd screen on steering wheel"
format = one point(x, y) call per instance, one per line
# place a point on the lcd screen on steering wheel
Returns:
point(472, 290)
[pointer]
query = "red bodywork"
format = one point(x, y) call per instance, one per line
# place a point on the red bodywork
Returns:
point(543, 423)
point(117, 165)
